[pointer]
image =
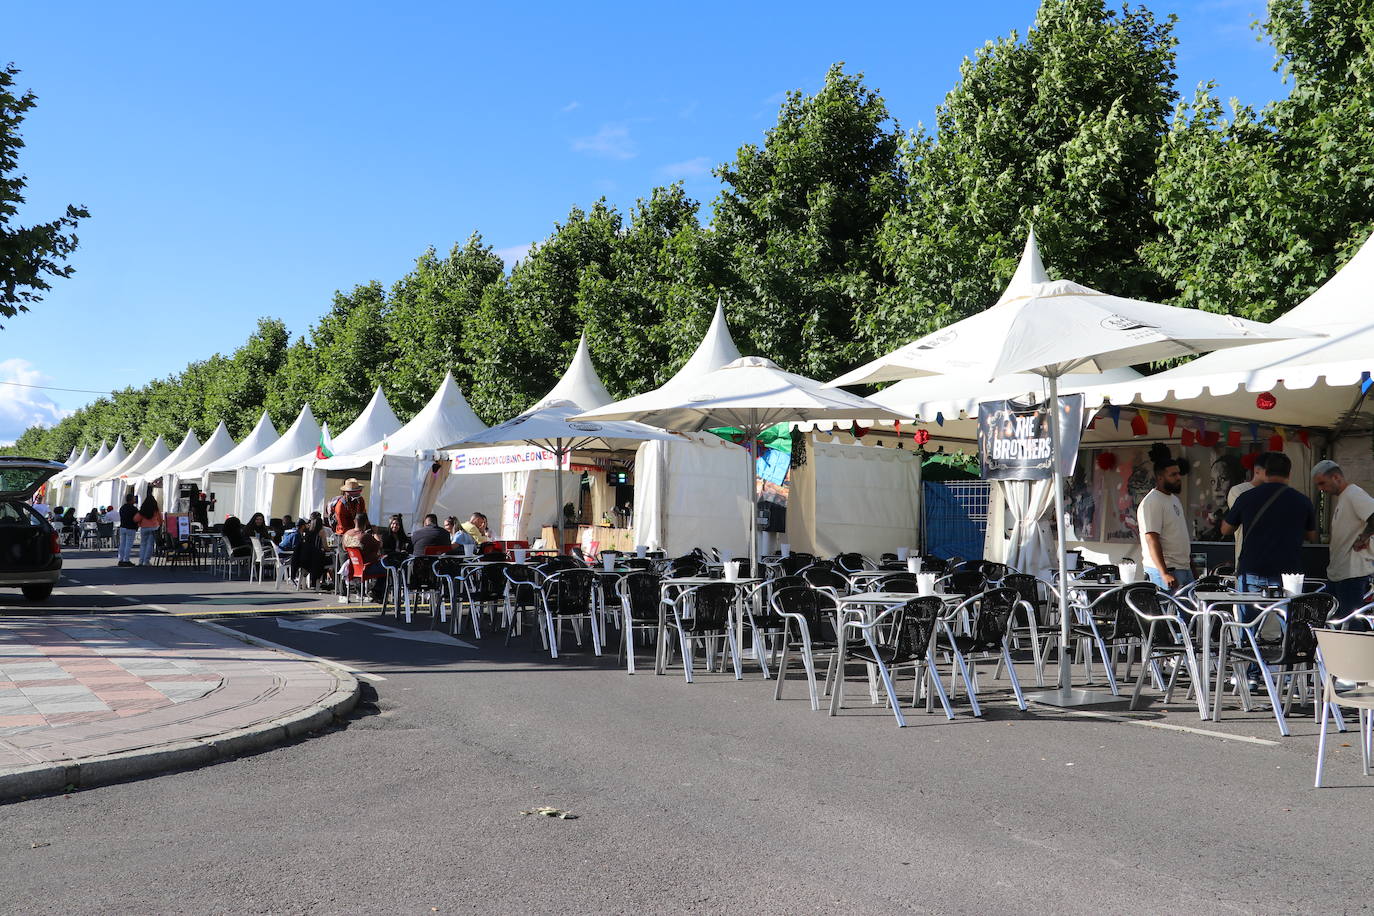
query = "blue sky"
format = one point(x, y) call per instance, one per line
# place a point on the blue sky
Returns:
point(248, 159)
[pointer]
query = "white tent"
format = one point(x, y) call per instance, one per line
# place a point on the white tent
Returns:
point(219, 477)
point(554, 433)
point(108, 490)
point(1315, 381)
point(94, 471)
point(670, 477)
point(154, 472)
point(125, 478)
point(249, 497)
point(59, 485)
point(854, 498)
point(297, 485)
point(214, 448)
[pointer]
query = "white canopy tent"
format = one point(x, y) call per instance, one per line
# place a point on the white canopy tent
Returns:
point(122, 478)
point(217, 446)
point(144, 480)
point(1316, 382)
point(59, 485)
point(298, 485)
point(219, 477)
point(671, 476)
point(549, 426)
point(302, 434)
point(95, 471)
point(854, 498)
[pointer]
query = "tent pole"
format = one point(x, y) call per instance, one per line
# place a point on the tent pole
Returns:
point(1064, 694)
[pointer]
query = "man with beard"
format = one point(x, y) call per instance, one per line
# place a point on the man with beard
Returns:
point(1164, 542)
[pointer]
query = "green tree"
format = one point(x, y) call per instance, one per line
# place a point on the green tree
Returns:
point(353, 353)
point(29, 255)
point(1260, 209)
point(427, 318)
point(1061, 130)
point(798, 224)
point(235, 387)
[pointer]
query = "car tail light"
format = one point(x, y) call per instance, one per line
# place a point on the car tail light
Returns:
point(56, 542)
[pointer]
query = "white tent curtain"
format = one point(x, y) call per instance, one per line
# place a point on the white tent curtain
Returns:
point(854, 498)
point(529, 501)
point(1030, 506)
point(692, 494)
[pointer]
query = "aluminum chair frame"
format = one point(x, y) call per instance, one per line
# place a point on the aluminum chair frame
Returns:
point(1347, 657)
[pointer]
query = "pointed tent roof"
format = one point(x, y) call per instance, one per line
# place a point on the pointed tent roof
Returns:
point(716, 349)
point(130, 460)
point(445, 418)
point(155, 455)
point(1029, 271)
point(260, 437)
point(1301, 372)
point(579, 385)
point(98, 470)
point(303, 435)
point(185, 450)
point(80, 459)
point(100, 453)
point(216, 447)
point(374, 424)
point(71, 457)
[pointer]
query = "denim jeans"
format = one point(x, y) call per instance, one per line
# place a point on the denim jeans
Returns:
point(1184, 576)
point(126, 543)
point(1247, 582)
point(147, 537)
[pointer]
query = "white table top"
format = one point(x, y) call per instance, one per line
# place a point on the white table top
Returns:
point(1238, 598)
point(689, 581)
point(888, 597)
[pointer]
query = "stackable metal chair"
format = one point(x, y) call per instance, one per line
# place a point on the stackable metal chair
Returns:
point(640, 600)
point(702, 614)
point(1348, 659)
point(899, 637)
point(1166, 632)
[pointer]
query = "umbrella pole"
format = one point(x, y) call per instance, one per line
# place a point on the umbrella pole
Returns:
point(558, 489)
point(1064, 694)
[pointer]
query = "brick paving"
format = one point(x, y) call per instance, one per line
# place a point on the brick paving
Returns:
point(81, 687)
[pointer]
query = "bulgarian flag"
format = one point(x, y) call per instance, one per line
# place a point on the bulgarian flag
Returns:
point(326, 447)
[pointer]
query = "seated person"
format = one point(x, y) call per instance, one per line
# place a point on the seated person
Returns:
point(292, 535)
point(476, 528)
point(370, 547)
point(429, 535)
point(238, 540)
point(394, 537)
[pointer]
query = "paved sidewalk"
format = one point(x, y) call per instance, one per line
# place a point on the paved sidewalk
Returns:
point(92, 699)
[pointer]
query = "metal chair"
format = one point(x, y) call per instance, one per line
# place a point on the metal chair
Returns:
point(899, 637)
point(1349, 681)
point(569, 596)
point(702, 614)
point(988, 638)
point(640, 599)
point(1166, 632)
point(809, 624)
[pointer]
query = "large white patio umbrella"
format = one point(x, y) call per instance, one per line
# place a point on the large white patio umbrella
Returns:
point(1052, 328)
point(552, 424)
point(750, 393)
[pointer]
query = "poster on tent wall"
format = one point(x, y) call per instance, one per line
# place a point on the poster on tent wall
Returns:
point(1212, 472)
point(1082, 500)
point(1119, 491)
point(1014, 438)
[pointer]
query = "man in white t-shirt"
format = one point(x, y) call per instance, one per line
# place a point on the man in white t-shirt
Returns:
point(1164, 542)
point(1257, 477)
point(1352, 522)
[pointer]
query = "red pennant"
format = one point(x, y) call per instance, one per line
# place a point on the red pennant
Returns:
point(1170, 419)
point(1233, 438)
point(1276, 443)
point(1304, 438)
point(1211, 438)
point(1247, 460)
point(1188, 437)
point(1138, 426)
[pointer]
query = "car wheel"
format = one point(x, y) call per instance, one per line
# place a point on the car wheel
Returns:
point(37, 592)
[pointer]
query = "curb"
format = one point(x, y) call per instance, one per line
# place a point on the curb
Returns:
point(44, 778)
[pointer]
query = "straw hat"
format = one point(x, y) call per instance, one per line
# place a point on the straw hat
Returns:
point(351, 485)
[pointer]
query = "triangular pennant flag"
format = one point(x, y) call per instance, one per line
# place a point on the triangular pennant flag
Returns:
point(1233, 439)
point(1365, 382)
point(1304, 437)
point(1115, 413)
point(1225, 428)
point(1187, 437)
point(1144, 415)
point(1169, 420)
point(939, 419)
point(1254, 432)
point(1138, 426)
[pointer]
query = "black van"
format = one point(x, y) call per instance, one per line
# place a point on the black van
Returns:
point(30, 556)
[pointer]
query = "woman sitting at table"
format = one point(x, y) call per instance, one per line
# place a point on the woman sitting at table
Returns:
point(369, 547)
point(394, 537)
point(237, 537)
point(257, 527)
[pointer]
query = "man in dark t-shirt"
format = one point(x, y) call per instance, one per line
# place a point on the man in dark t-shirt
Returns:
point(1275, 519)
point(428, 535)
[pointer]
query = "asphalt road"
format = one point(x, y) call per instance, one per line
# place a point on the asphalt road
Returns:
point(709, 797)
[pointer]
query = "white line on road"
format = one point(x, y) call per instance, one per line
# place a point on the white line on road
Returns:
point(158, 607)
point(1206, 732)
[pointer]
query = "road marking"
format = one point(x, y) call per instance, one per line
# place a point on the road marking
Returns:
point(105, 591)
point(268, 644)
point(1205, 732)
point(131, 600)
point(158, 607)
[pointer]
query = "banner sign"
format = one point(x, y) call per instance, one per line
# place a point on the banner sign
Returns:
point(517, 458)
point(1014, 438)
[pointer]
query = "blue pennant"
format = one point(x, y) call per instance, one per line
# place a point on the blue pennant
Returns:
point(1365, 382)
point(1115, 414)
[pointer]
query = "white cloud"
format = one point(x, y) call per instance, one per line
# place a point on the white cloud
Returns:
point(571, 106)
point(612, 141)
point(22, 407)
point(691, 168)
point(512, 254)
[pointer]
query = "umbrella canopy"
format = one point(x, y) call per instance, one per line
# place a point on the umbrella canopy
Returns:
point(552, 423)
point(750, 393)
point(1054, 327)
point(1051, 328)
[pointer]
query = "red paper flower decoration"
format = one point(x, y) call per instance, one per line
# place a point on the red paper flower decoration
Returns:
point(1187, 438)
point(1247, 460)
point(922, 436)
point(1106, 460)
point(1209, 438)
point(1266, 401)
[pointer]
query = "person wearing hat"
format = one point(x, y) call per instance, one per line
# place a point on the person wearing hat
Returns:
point(345, 508)
point(1352, 522)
